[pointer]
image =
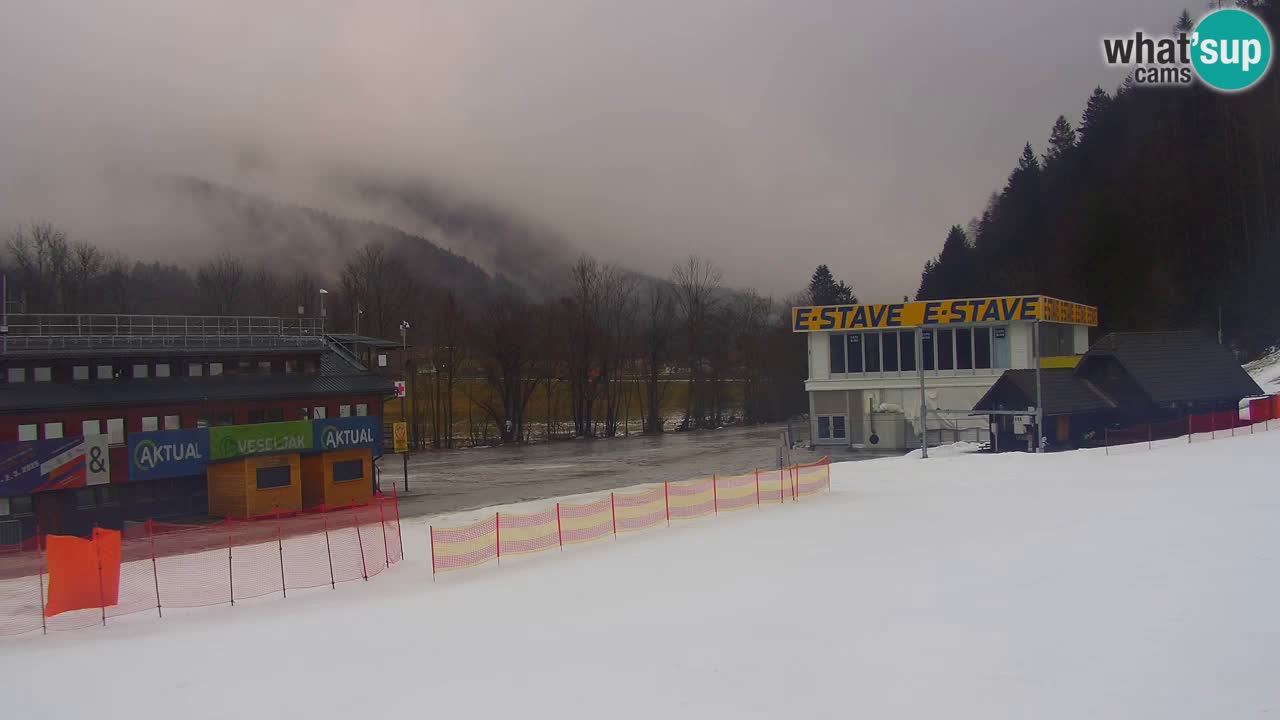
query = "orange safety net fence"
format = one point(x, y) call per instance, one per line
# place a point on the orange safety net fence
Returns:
point(457, 548)
point(151, 566)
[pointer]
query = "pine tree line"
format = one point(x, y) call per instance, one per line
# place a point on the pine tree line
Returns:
point(1162, 208)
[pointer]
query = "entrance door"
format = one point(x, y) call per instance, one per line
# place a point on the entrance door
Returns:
point(832, 430)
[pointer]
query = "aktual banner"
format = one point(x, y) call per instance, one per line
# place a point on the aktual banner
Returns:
point(233, 441)
point(168, 453)
point(343, 433)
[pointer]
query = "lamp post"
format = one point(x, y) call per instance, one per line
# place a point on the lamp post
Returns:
point(323, 292)
point(404, 354)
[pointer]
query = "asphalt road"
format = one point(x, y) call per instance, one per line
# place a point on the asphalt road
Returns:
point(456, 480)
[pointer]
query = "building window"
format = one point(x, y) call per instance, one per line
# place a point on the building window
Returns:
point(115, 431)
point(90, 427)
point(907, 350)
point(140, 371)
point(889, 343)
point(215, 369)
point(105, 372)
point(830, 427)
point(172, 422)
point(274, 477)
point(202, 421)
point(20, 505)
point(964, 348)
point(85, 499)
point(80, 372)
point(871, 348)
point(264, 366)
point(344, 411)
point(926, 350)
point(4, 506)
point(224, 418)
point(195, 369)
point(16, 374)
point(256, 416)
point(854, 353)
point(348, 470)
point(162, 370)
point(982, 348)
point(1000, 347)
point(52, 431)
point(362, 409)
point(317, 413)
point(150, 423)
point(837, 353)
point(304, 413)
point(274, 414)
point(28, 432)
point(43, 374)
point(946, 349)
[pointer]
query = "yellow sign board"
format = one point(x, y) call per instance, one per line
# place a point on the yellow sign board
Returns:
point(400, 433)
point(941, 312)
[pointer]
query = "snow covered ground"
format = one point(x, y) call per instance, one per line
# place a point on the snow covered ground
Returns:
point(1141, 585)
point(1266, 372)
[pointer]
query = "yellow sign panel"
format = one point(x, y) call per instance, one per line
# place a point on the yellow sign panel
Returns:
point(400, 433)
point(941, 312)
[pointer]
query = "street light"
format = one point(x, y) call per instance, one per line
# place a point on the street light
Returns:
point(323, 292)
point(404, 356)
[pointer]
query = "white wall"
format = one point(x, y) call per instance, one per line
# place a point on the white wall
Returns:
point(1081, 339)
point(819, 356)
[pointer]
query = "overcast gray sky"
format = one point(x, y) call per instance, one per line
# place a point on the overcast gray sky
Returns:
point(769, 135)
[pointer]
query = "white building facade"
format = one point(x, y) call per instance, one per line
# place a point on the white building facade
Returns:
point(867, 363)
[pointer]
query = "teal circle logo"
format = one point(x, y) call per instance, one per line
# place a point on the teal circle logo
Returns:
point(1231, 49)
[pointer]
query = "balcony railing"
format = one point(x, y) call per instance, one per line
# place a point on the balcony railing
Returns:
point(32, 332)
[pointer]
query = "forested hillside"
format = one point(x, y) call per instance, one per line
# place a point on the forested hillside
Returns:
point(1161, 206)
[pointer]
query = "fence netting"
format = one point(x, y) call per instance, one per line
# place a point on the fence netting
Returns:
point(167, 565)
point(456, 548)
point(1205, 426)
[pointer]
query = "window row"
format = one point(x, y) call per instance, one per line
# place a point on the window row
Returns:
point(961, 348)
point(145, 370)
point(114, 429)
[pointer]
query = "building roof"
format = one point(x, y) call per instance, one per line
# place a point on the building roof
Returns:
point(373, 342)
point(337, 376)
point(1063, 392)
point(1175, 367)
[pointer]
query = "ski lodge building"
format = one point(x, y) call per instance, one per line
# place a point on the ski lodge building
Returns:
point(111, 418)
point(868, 363)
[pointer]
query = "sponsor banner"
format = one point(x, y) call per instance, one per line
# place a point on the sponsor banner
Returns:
point(233, 441)
point(400, 436)
point(168, 453)
point(941, 312)
point(344, 433)
point(43, 465)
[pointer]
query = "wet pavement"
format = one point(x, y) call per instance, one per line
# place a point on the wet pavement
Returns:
point(457, 480)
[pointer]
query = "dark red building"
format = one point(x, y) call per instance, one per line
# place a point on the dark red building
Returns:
point(72, 375)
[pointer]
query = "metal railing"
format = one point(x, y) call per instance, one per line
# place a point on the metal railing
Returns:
point(47, 331)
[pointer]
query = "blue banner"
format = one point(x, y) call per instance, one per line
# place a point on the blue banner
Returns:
point(344, 433)
point(42, 465)
point(168, 453)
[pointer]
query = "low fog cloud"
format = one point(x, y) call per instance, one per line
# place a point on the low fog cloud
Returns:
point(769, 136)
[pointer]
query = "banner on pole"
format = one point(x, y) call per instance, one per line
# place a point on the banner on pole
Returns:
point(400, 433)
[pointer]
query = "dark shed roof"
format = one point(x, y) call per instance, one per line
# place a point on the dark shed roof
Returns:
point(1063, 392)
point(1175, 367)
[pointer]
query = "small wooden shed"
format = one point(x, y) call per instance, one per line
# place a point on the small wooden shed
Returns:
point(255, 486)
point(337, 478)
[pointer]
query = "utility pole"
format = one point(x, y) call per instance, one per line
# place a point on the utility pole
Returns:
point(1035, 334)
point(924, 409)
point(404, 354)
